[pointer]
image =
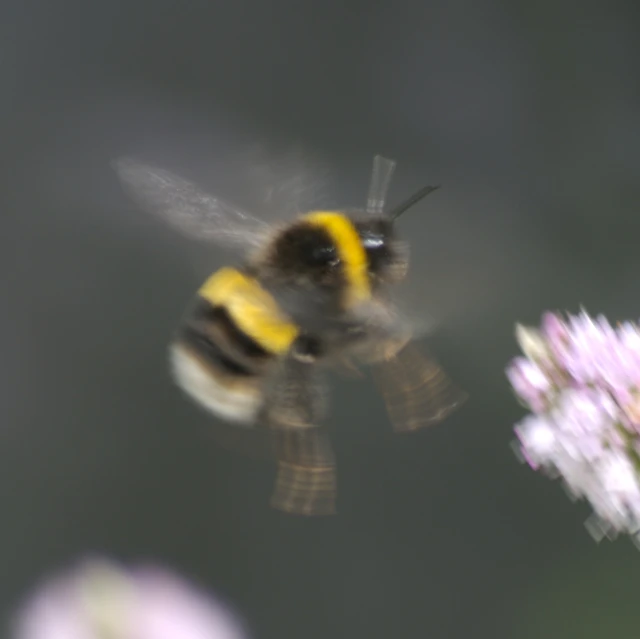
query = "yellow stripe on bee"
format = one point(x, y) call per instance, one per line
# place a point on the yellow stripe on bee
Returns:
point(350, 251)
point(253, 309)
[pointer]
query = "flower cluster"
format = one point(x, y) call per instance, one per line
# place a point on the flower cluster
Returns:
point(580, 377)
point(100, 599)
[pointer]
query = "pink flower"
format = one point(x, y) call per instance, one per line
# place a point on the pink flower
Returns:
point(99, 599)
point(538, 440)
point(529, 382)
point(581, 379)
point(555, 333)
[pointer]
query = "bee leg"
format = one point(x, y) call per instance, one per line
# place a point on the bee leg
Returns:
point(394, 345)
point(306, 349)
point(349, 368)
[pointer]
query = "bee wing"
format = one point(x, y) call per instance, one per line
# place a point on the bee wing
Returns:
point(289, 433)
point(306, 467)
point(305, 481)
point(295, 396)
point(416, 391)
point(306, 476)
point(381, 174)
point(187, 208)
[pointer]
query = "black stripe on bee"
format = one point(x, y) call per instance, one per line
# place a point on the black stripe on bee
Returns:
point(211, 332)
point(211, 352)
point(209, 314)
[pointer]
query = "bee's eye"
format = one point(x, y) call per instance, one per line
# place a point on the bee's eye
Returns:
point(377, 252)
point(373, 242)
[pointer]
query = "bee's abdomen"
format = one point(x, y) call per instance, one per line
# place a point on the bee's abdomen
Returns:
point(214, 320)
point(217, 364)
point(212, 353)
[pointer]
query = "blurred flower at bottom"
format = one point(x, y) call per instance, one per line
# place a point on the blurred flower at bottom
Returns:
point(102, 600)
point(580, 378)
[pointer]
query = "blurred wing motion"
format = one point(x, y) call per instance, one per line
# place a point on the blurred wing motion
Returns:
point(285, 182)
point(306, 476)
point(381, 174)
point(288, 433)
point(306, 482)
point(187, 208)
point(416, 391)
point(295, 397)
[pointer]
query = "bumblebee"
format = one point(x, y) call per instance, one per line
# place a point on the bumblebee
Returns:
point(308, 295)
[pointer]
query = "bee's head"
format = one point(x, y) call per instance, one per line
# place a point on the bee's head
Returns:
point(321, 250)
point(387, 256)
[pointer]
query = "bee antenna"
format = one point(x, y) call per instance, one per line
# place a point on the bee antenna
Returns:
point(395, 213)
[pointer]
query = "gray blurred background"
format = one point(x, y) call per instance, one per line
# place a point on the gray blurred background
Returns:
point(527, 113)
